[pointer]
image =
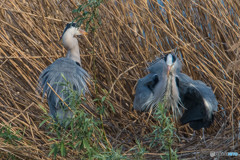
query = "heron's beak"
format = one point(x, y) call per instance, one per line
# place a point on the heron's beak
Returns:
point(82, 32)
point(168, 70)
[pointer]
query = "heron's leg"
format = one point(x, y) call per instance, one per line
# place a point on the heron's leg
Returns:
point(193, 135)
point(191, 138)
point(203, 137)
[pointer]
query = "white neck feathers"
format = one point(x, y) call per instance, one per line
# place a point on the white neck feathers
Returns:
point(71, 44)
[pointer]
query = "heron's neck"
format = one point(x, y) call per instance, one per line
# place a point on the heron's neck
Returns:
point(74, 53)
point(172, 95)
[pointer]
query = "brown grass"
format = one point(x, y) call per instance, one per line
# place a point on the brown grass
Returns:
point(116, 57)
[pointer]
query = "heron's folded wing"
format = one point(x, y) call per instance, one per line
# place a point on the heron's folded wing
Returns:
point(53, 75)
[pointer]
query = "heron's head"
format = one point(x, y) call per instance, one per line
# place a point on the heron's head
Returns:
point(173, 64)
point(73, 30)
point(70, 33)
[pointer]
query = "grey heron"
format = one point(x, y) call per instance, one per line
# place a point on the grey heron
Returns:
point(191, 101)
point(70, 68)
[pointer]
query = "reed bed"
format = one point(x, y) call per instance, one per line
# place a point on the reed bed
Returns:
point(204, 32)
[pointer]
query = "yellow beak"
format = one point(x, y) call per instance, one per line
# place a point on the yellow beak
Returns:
point(83, 32)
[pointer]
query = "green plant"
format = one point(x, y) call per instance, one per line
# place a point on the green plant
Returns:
point(83, 132)
point(79, 132)
point(102, 102)
point(8, 136)
point(139, 151)
point(88, 13)
point(163, 135)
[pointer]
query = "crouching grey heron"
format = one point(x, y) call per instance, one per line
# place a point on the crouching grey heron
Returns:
point(70, 68)
point(167, 85)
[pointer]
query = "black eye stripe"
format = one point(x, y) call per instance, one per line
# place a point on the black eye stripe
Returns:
point(165, 57)
point(177, 81)
point(77, 63)
point(69, 25)
point(174, 58)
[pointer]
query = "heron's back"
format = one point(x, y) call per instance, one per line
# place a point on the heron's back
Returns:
point(53, 75)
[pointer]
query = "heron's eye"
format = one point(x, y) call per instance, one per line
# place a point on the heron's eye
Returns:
point(151, 84)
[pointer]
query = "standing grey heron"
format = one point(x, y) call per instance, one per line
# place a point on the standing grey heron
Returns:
point(70, 68)
point(167, 85)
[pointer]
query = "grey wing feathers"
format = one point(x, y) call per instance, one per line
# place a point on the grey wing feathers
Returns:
point(199, 101)
point(76, 75)
point(150, 89)
point(205, 91)
point(143, 93)
point(157, 66)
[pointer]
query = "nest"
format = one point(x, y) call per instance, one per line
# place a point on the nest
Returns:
point(205, 33)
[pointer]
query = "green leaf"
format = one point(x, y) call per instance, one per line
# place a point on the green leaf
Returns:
point(43, 122)
point(63, 76)
point(103, 98)
point(86, 144)
point(51, 152)
point(113, 109)
point(52, 139)
point(43, 109)
point(77, 144)
point(63, 149)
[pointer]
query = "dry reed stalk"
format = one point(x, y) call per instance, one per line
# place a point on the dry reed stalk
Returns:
point(131, 35)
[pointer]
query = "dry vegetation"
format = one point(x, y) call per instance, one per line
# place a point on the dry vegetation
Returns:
point(205, 32)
